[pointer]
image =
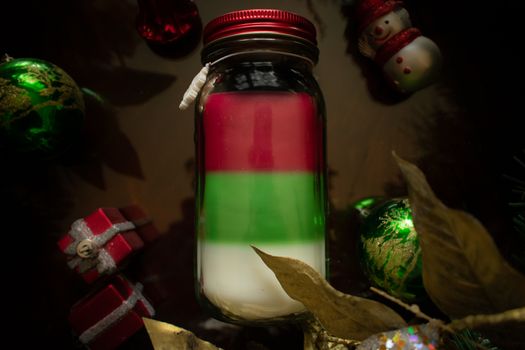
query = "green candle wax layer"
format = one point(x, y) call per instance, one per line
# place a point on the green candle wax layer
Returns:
point(262, 207)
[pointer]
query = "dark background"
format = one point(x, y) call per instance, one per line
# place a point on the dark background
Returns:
point(463, 132)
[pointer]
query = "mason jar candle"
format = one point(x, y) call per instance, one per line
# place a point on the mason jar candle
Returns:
point(260, 150)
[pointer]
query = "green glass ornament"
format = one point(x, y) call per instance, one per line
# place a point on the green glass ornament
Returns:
point(389, 250)
point(41, 107)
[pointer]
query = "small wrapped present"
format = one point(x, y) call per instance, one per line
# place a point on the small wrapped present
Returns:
point(105, 319)
point(143, 223)
point(99, 243)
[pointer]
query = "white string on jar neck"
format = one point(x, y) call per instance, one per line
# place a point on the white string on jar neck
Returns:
point(198, 81)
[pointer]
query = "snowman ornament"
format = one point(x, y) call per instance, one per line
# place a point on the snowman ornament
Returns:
point(409, 60)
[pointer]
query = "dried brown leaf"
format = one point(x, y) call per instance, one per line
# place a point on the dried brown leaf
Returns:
point(506, 329)
point(463, 271)
point(316, 338)
point(496, 320)
point(165, 336)
point(341, 315)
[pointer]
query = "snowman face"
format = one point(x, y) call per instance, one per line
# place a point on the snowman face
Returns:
point(385, 27)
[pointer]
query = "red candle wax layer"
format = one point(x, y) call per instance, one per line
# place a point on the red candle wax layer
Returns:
point(254, 131)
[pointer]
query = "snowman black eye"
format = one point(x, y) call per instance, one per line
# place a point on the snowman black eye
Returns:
point(386, 22)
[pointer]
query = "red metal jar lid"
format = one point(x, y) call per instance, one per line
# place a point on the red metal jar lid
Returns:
point(259, 21)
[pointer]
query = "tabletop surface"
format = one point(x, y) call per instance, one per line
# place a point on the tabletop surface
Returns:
point(464, 132)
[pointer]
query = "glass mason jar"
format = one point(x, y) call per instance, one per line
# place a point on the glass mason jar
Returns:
point(260, 130)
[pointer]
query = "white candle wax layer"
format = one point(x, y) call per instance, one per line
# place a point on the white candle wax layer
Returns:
point(235, 279)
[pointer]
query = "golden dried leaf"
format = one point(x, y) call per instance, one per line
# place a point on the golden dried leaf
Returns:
point(463, 271)
point(477, 321)
point(316, 338)
point(342, 315)
point(165, 336)
point(506, 329)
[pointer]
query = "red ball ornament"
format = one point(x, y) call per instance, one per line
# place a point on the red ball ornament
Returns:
point(170, 27)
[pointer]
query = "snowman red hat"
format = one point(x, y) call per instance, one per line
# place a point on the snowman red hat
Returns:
point(395, 44)
point(369, 10)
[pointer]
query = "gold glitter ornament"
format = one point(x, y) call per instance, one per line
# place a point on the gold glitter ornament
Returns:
point(389, 250)
point(420, 337)
point(41, 107)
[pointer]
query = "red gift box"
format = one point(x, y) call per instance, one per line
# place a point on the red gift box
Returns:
point(143, 223)
point(99, 243)
point(107, 318)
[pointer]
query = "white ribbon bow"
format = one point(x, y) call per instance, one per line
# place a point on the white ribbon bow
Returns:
point(104, 262)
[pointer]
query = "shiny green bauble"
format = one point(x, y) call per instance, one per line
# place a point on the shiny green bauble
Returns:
point(41, 108)
point(389, 250)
